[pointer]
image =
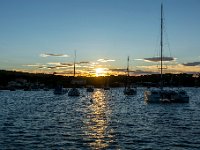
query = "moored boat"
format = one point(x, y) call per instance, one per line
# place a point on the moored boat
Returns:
point(128, 89)
point(74, 91)
point(163, 95)
point(59, 90)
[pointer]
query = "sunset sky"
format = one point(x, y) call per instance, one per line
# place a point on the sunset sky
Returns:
point(42, 35)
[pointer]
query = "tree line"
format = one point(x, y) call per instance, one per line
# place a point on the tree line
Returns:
point(51, 80)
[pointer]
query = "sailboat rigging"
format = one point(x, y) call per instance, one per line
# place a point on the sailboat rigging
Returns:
point(74, 91)
point(128, 90)
point(161, 94)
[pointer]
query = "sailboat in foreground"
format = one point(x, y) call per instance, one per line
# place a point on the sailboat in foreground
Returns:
point(128, 90)
point(161, 94)
point(74, 91)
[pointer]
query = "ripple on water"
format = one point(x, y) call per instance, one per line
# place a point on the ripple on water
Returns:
point(98, 120)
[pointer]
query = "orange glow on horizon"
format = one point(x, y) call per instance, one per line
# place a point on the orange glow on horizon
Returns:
point(101, 72)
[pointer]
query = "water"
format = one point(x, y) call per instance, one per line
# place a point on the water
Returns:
point(98, 120)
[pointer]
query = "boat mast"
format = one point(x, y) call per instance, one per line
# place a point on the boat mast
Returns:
point(127, 77)
point(74, 63)
point(161, 49)
point(128, 66)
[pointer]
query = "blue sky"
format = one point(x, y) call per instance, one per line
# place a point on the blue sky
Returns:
point(97, 29)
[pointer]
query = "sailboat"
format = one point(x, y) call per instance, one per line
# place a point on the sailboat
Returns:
point(128, 90)
point(74, 91)
point(161, 94)
point(59, 90)
point(106, 86)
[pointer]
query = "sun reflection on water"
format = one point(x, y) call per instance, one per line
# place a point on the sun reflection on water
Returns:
point(96, 122)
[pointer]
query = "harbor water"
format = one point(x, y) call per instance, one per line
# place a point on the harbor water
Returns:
point(97, 120)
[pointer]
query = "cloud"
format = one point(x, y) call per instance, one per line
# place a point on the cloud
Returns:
point(157, 59)
point(53, 63)
point(53, 55)
point(42, 67)
point(67, 64)
point(68, 72)
point(37, 65)
point(63, 72)
point(192, 64)
point(84, 62)
point(118, 70)
point(142, 72)
point(177, 68)
point(51, 67)
point(134, 72)
point(60, 64)
point(32, 65)
point(105, 60)
point(139, 59)
point(56, 67)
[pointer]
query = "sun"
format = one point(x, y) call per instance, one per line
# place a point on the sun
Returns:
point(100, 72)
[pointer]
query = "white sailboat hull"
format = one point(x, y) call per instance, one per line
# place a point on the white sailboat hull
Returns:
point(161, 96)
point(152, 96)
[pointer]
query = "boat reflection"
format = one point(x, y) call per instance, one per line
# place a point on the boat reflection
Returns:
point(96, 122)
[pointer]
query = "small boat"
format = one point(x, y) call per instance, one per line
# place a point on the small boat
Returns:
point(74, 91)
point(171, 96)
point(161, 94)
point(46, 89)
point(128, 90)
point(106, 86)
point(59, 90)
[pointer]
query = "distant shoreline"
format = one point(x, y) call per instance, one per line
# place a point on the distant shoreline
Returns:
point(21, 80)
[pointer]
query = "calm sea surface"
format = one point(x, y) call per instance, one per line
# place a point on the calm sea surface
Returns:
point(98, 120)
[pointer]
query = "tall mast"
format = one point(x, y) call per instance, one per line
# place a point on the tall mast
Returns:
point(74, 63)
point(128, 66)
point(127, 77)
point(161, 48)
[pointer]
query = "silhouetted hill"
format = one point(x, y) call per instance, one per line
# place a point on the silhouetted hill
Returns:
point(50, 80)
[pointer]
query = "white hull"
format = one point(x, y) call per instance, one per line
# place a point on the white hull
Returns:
point(161, 96)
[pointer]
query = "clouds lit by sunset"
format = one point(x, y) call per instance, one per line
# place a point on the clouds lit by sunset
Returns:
point(40, 36)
